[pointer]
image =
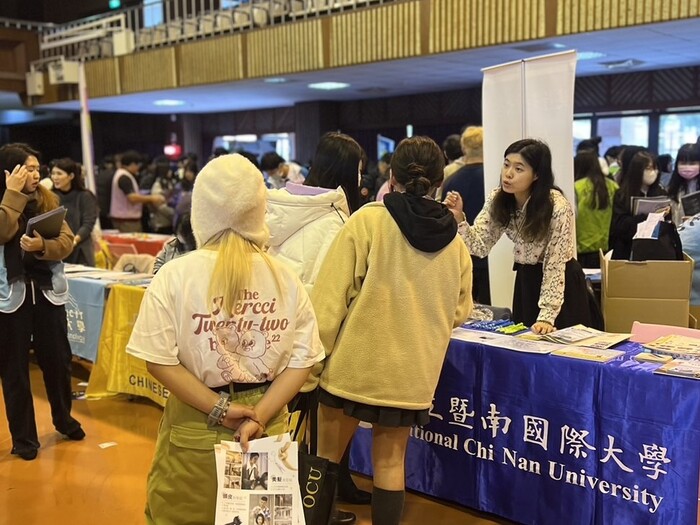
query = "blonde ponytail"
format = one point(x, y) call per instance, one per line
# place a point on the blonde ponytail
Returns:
point(233, 270)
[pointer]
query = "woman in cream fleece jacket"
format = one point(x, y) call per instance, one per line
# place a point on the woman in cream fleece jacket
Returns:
point(395, 282)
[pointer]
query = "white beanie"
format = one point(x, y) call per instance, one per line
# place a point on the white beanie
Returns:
point(229, 193)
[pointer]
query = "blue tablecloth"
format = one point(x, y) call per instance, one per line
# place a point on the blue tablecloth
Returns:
point(549, 440)
point(84, 312)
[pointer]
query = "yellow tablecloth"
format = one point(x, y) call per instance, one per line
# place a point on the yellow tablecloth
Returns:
point(115, 371)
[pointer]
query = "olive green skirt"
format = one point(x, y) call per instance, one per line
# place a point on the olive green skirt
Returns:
point(182, 481)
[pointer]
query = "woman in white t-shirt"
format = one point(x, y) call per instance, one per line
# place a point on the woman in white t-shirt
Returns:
point(229, 332)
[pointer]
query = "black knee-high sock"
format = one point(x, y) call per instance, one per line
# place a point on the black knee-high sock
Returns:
point(387, 506)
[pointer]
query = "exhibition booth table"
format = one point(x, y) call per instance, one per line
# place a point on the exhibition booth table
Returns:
point(87, 292)
point(543, 439)
point(536, 438)
point(150, 243)
point(115, 371)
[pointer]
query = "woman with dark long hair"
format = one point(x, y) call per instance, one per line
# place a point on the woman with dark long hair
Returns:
point(81, 208)
point(594, 196)
point(684, 178)
point(33, 292)
point(641, 180)
point(550, 288)
point(304, 219)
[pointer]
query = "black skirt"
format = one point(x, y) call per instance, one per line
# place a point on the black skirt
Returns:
point(528, 283)
point(382, 416)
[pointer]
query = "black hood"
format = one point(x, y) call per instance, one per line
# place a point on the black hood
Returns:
point(427, 225)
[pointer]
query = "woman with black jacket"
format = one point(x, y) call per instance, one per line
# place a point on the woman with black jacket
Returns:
point(641, 180)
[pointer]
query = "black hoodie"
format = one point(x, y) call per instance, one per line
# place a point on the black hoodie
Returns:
point(427, 225)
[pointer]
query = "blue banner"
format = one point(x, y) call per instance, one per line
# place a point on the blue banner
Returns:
point(548, 440)
point(84, 312)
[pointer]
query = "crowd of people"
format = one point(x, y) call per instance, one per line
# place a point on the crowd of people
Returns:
point(295, 266)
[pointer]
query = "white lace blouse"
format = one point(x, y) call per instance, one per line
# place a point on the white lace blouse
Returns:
point(553, 252)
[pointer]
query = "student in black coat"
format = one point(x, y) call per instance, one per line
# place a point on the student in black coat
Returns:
point(641, 180)
point(81, 208)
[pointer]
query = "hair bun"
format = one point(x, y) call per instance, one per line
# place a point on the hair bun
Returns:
point(418, 186)
point(415, 170)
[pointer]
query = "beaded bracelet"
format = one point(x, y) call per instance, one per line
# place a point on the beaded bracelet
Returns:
point(224, 411)
point(260, 424)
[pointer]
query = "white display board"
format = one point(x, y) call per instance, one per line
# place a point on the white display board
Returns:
point(531, 98)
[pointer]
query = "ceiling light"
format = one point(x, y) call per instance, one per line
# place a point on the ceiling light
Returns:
point(240, 138)
point(589, 55)
point(169, 102)
point(275, 80)
point(539, 47)
point(329, 86)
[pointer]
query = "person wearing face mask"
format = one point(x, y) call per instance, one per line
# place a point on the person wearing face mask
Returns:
point(641, 180)
point(33, 292)
point(684, 179)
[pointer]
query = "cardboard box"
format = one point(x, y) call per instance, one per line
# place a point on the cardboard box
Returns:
point(649, 292)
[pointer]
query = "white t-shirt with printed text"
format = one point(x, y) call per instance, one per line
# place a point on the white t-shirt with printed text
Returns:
point(269, 330)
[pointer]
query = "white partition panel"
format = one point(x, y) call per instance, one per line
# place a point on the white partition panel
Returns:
point(531, 98)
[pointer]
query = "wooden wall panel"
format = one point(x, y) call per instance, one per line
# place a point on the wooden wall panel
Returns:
point(18, 48)
point(210, 61)
point(464, 24)
point(289, 48)
point(102, 77)
point(148, 70)
point(371, 35)
point(580, 16)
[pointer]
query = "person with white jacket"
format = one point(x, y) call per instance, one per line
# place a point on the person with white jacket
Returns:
point(303, 221)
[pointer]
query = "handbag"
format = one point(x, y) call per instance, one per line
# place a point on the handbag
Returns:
point(318, 477)
point(665, 247)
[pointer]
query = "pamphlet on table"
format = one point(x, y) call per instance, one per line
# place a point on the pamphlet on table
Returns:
point(675, 346)
point(599, 355)
point(689, 368)
point(579, 335)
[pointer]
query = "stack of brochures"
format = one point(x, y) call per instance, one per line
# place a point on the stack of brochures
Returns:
point(599, 355)
point(689, 368)
point(580, 335)
point(678, 346)
point(647, 205)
